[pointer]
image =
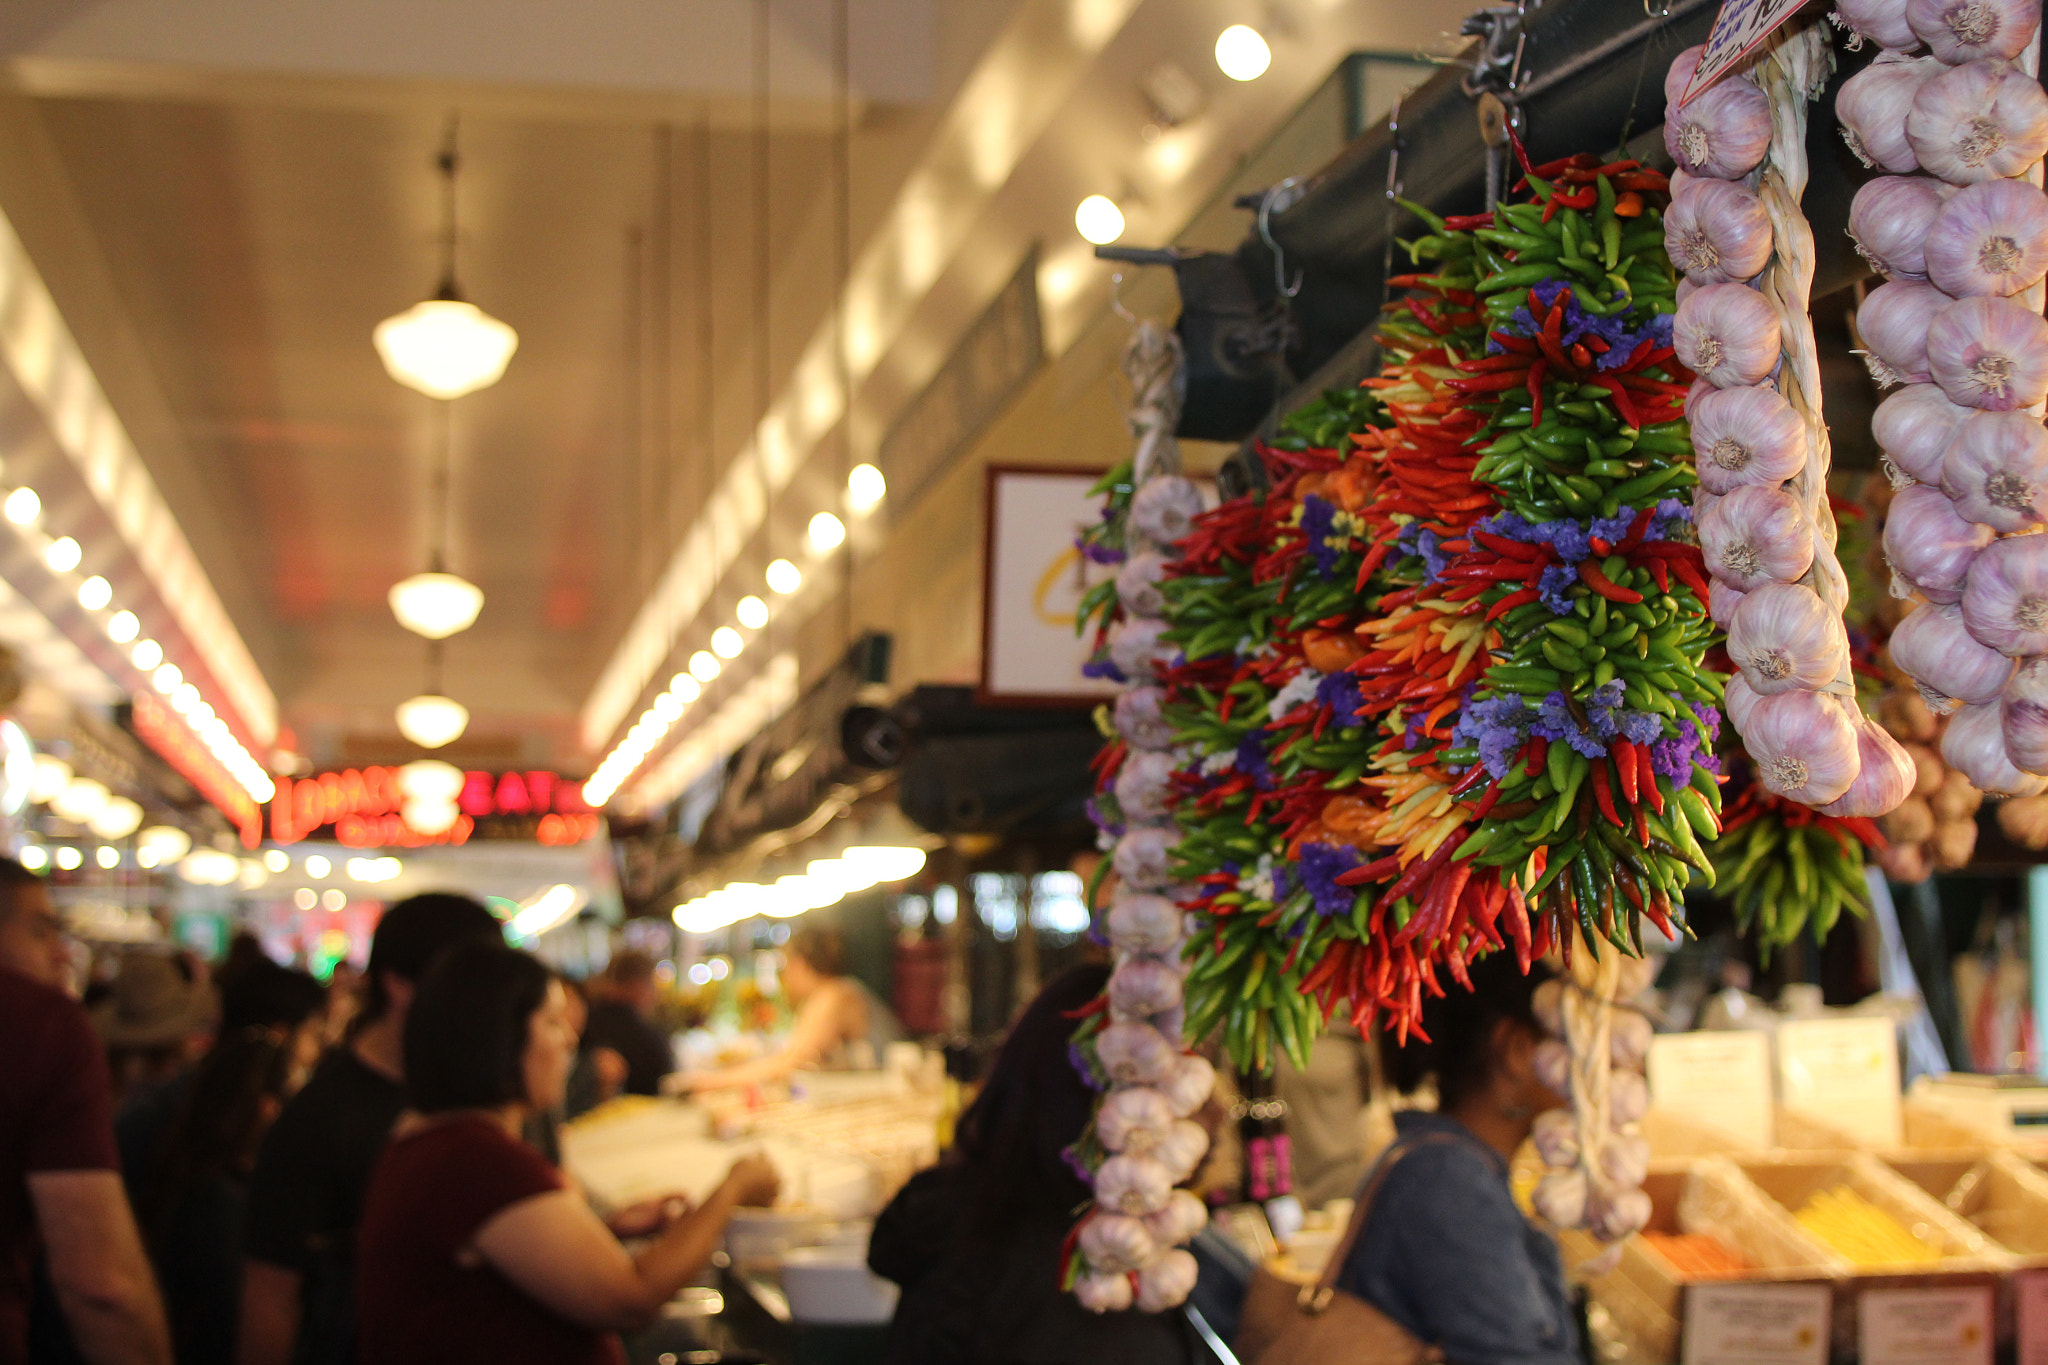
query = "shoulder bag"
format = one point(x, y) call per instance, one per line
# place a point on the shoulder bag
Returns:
point(1290, 1320)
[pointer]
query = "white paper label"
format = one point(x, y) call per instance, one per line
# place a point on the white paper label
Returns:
point(2030, 1290)
point(1925, 1326)
point(1756, 1324)
point(1738, 28)
point(1718, 1080)
point(1845, 1073)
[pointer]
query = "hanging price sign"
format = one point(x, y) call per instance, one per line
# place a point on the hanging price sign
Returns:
point(1739, 29)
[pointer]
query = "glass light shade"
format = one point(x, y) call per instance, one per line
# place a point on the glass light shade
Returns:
point(166, 843)
point(53, 774)
point(752, 612)
point(211, 867)
point(1242, 53)
point(445, 348)
point(81, 800)
point(146, 655)
point(118, 819)
point(865, 488)
point(827, 533)
point(63, 554)
point(886, 863)
point(431, 721)
point(436, 605)
point(429, 779)
point(686, 688)
point(122, 627)
point(704, 665)
point(22, 506)
point(95, 593)
point(1099, 219)
point(785, 577)
point(430, 816)
point(727, 643)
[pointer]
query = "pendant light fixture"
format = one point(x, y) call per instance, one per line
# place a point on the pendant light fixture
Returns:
point(445, 346)
point(432, 719)
point(438, 604)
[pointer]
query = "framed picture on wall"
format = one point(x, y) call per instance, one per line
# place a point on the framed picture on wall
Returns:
point(1033, 581)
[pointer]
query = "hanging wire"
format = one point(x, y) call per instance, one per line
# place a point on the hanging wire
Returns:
point(762, 239)
point(1116, 299)
point(447, 162)
point(662, 347)
point(1393, 195)
point(443, 510)
point(842, 263)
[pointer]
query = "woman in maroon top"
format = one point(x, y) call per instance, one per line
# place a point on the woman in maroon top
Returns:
point(472, 1246)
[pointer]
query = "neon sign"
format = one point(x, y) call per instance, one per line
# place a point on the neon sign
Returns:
point(365, 805)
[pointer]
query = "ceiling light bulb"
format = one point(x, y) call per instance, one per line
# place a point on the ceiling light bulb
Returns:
point(1099, 220)
point(703, 666)
point(686, 688)
point(35, 857)
point(436, 605)
point(146, 655)
point(431, 720)
point(95, 593)
point(318, 867)
point(305, 898)
point(167, 678)
point(123, 627)
point(429, 779)
point(53, 774)
point(445, 348)
point(727, 643)
point(107, 856)
point(865, 488)
point(118, 819)
point(185, 698)
point(68, 857)
point(277, 860)
point(668, 706)
point(827, 533)
point(62, 554)
point(81, 800)
point(1242, 54)
point(784, 577)
point(333, 900)
point(22, 506)
point(752, 612)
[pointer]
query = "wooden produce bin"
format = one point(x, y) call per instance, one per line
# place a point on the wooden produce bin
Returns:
point(1643, 1297)
point(2000, 1193)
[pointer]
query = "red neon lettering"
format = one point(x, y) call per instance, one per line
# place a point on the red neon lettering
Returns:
point(540, 787)
point(511, 796)
point(475, 799)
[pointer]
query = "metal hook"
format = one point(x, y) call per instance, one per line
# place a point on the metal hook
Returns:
point(1282, 196)
point(1116, 299)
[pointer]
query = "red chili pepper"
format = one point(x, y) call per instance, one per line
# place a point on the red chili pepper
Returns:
point(1660, 572)
point(1623, 404)
point(1691, 577)
point(1646, 783)
point(1584, 199)
point(1658, 917)
point(1600, 546)
point(1606, 587)
point(1518, 345)
point(1637, 529)
point(1487, 363)
point(1486, 802)
point(1519, 597)
point(1535, 386)
point(1486, 383)
point(1538, 749)
point(1465, 222)
point(1625, 769)
point(1516, 549)
point(1581, 357)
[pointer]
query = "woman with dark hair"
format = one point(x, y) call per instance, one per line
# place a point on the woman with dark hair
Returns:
point(472, 1246)
point(840, 1024)
point(1444, 1251)
point(975, 1242)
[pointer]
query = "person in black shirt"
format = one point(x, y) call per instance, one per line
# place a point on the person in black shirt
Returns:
point(306, 1194)
point(620, 1022)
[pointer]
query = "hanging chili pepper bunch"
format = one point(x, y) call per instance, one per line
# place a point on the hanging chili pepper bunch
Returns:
point(1590, 738)
point(1319, 815)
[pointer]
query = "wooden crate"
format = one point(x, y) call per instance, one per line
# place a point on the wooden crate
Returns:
point(1792, 1180)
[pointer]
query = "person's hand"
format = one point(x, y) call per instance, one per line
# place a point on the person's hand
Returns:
point(754, 1181)
point(649, 1216)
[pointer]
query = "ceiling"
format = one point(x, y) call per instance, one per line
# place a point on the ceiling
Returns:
point(225, 196)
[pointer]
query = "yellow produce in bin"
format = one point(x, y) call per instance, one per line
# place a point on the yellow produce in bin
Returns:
point(1871, 1216)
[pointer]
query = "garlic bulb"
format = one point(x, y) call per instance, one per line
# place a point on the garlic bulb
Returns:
point(1556, 1134)
point(1755, 535)
point(1618, 1214)
point(2024, 720)
point(1100, 1293)
point(1989, 353)
point(1181, 1148)
point(1982, 121)
point(1183, 1217)
point(1803, 746)
point(1723, 133)
point(1136, 1185)
point(1996, 470)
point(2005, 602)
point(1167, 1282)
point(1132, 1114)
point(1889, 220)
point(1974, 745)
point(1143, 987)
point(1784, 636)
point(1137, 584)
point(1676, 77)
point(1115, 1243)
point(1628, 1039)
point(1625, 1161)
point(1936, 649)
point(1991, 238)
point(1141, 923)
point(1928, 545)
point(1136, 1054)
point(1628, 1094)
point(1958, 31)
point(1746, 435)
point(1727, 335)
point(1140, 719)
point(1893, 324)
point(1144, 856)
point(1873, 106)
point(1560, 1198)
point(1914, 426)
point(1884, 775)
point(1738, 699)
point(1553, 1064)
point(1881, 21)
point(1164, 509)
point(1144, 784)
point(1136, 649)
point(1722, 601)
point(1187, 1089)
point(1717, 231)
point(1546, 1002)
